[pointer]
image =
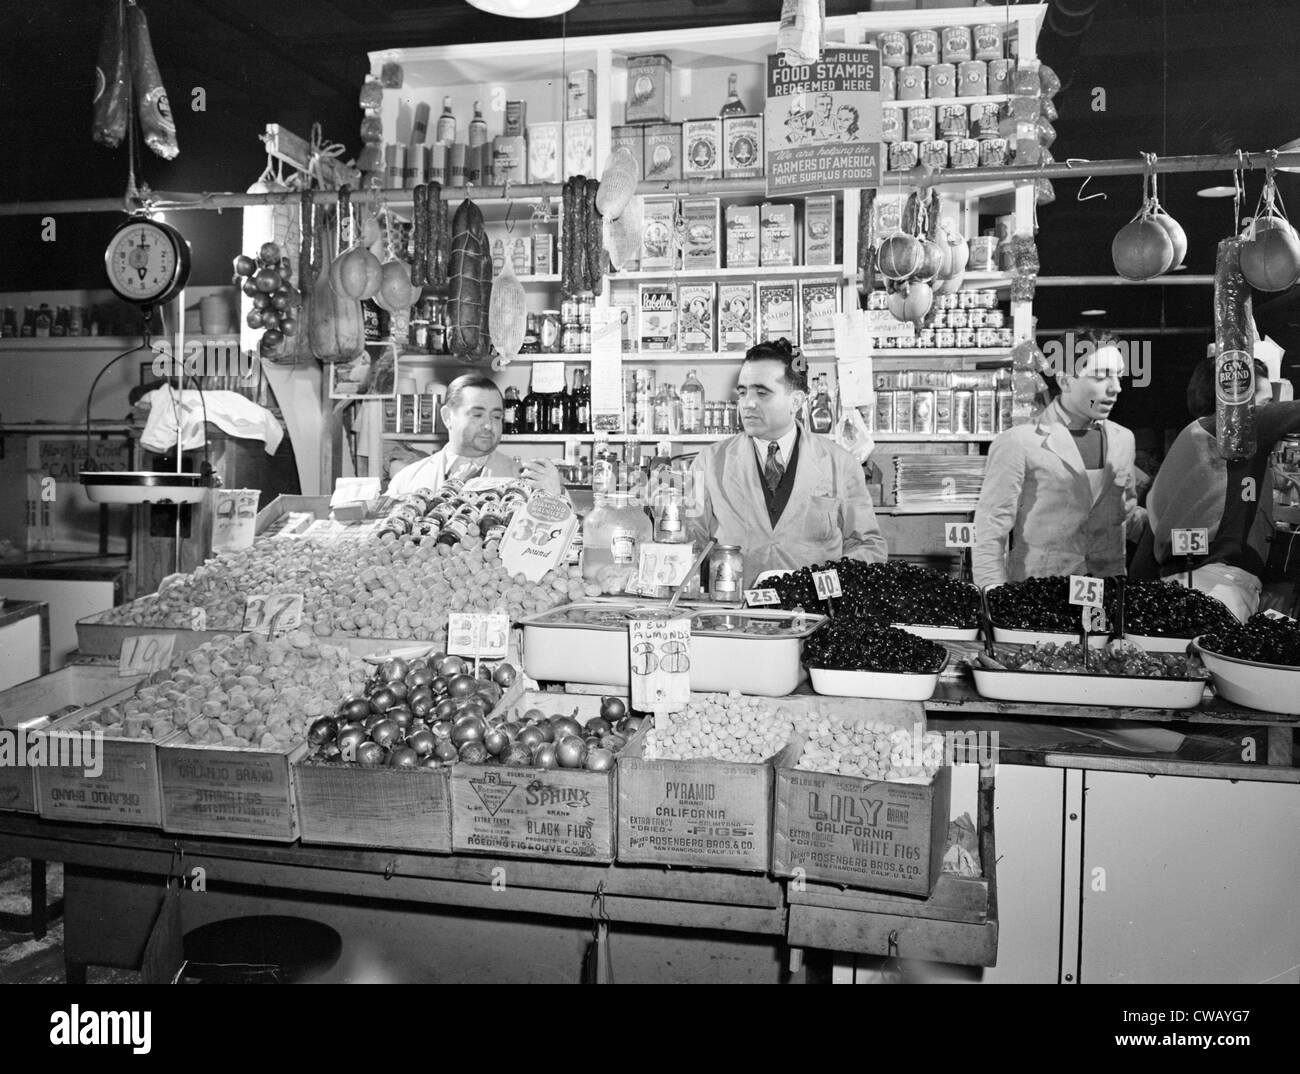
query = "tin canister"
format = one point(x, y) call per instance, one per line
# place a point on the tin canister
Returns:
point(920, 123)
point(972, 78)
point(995, 318)
point(965, 153)
point(888, 84)
point(893, 48)
point(923, 412)
point(891, 124)
point(934, 154)
point(987, 299)
point(939, 318)
point(986, 337)
point(1000, 75)
point(945, 338)
point(902, 156)
point(994, 153)
point(884, 412)
point(987, 41)
point(963, 411)
point(968, 300)
point(947, 301)
point(911, 83)
point(1004, 402)
point(1005, 336)
point(957, 44)
point(925, 47)
point(877, 300)
point(976, 318)
point(964, 337)
point(959, 318)
point(953, 121)
point(726, 573)
point(942, 80)
point(548, 340)
point(983, 251)
point(926, 338)
point(984, 119)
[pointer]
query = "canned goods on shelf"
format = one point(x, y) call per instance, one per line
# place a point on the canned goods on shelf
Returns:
point(877, 300)
point(926, 338)
point(967, 299)
point(963, 411)
point(972, 79)
point(1000, 74)
point(920, 123)
point(984, 119)
point(925, 47)
point(957, 44)
point(911, 83)
point(986, 337)
point(994, 318)
point(958, 318)
point(903, 155)
point(986, 41)
point(893, 48)
point(994, 153)
point(987, 299)
point(940, 318)
point(888, 84)
point(976, 318)
point(964, 153)
point(945, 338)
point(934, 154)
point(891, 124)
point(949, 300)
point(953, 121)
point(1005, 336)
point(942, 80)
point(964, 337)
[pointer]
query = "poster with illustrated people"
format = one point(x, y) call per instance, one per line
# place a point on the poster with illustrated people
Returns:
point(822, 122)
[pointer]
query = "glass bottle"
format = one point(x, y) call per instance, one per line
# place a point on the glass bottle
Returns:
point(602, 468)
point(733, 105)
point(581, 403)
point(531, 411)
point(692, 396)
point(612, 535)
point(510, 412)
point(820, 418)
point(477, 127)
point(44, 321)
point(445, 131)
point(558, 410)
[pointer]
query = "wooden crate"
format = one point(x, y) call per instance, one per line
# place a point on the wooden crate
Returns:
point(125, 791)
point(32, 706)
point(227, 790)
point(406, 809)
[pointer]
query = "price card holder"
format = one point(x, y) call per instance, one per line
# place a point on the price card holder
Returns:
point(234, 519)
point(660, 651)
point(756, 598)
point(482, 635)
point(539, 536)
point(827, 583)
point(143, 654)
point(272, 614)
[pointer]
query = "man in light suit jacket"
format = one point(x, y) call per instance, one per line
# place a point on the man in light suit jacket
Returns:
point(1059, 491)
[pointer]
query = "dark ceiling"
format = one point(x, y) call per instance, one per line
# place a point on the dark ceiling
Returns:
point(1180, 77)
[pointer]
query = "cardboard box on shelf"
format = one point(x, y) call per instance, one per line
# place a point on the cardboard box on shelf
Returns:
point(663, 151)
point(648, 80)
point(702, 149)
point(544, 149)
point(742, 236)
point(658, 318)
point(658, 234)
point(742, 145)
point(736, 317)
point(580, 148)
point(631, 138)
point(819, 230)
point(777, 236)
point(778, 316)
point(697, 317)
point(700, 245)
point(580, 97)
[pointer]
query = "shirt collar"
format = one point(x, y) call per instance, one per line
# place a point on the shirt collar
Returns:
point(786, 444)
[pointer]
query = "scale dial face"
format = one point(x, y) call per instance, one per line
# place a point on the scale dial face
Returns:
point(148, 262)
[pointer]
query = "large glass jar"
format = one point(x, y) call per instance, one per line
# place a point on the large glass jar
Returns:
point(612, 535)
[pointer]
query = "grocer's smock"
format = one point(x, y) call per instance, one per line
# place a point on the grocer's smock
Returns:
point(431, 472)
point(827, 512)
point(1037, 495)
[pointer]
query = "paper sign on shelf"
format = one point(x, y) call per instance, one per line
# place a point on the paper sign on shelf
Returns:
point(539, 536)
point(660, 651)
point(855, 379)
point(198, 619)
point(548, 377)
point(143, 654)
point(606, 370)
point(234, 519)
point(272, 614)
point(480, 634)
point(850, 332)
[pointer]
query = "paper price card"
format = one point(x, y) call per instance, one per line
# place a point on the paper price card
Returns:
point(1193, 542)
point(1087, 590)
point(143, 654)
point(959, 535)
point(234, 519)
point(758, 597)
point(480, 634)
point(660, 651)
point(272, 614)
point(827, 583)
point(538, 537)
point(661, 565)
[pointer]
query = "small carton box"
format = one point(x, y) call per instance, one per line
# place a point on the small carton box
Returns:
point(628, 306)
point(943, 411)
point(658, 319)
point(736, 317)
point(702, 149)
point(697, 317)
point(777, 235)
point(742, 236)
point(632, 139)
point(516, 114)
point(647, 89)
point(580, 98)
point(884, 412)
point(580, 147)
point(543, 254)
point(777, 311)
point(819, 230)
point(819, 302)
point(985, 411)
point(519, 253)
point(658, 234)
point(902, 411)
point(544, 152)
point(509, 162)
point(700, 239)
point(742, 147)
point(663, 151)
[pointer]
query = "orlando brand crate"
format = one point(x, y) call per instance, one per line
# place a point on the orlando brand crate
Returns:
point(228, 790)
point(402, 808)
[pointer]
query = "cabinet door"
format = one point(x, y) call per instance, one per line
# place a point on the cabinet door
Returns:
point(1189, 880)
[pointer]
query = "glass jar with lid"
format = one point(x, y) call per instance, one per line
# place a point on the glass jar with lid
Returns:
point(612, 535)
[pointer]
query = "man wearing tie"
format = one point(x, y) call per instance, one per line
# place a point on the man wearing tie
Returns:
point(787, 497)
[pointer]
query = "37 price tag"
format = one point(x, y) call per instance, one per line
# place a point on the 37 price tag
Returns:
point(758, 597)
point(1193, 542)
point(1087, 590)
point(143, 654)
point(478, 634)
point(827, 583)
point(959, 535)
point(272, 614)
point(660, 652)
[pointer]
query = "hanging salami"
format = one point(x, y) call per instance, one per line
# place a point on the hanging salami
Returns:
point(112, 105)
point(1234, 363)
point(468, 302)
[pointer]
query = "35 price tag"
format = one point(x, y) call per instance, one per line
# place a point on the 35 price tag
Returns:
point(1087, 590)
point(1194, 542)
point(272, 614)
point(198, 619)
point(660, 652)
point(959, 535)
point(480, 634)
point(143, 654)
point(827, 583)
point(758, 597)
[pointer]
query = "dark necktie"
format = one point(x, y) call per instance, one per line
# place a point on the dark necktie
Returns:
point(773, 471)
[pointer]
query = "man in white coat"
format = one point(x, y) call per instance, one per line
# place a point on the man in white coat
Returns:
point(1059, 493)
point(787, 497)
point(472, 414)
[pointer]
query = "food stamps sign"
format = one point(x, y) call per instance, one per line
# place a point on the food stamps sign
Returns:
point(822, 122)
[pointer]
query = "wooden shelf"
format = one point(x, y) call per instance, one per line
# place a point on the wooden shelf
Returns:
point(935, 102)
point(560, 438)
point(932, 438)
point(760, 272)
point(1000, 353)
point(105, 343)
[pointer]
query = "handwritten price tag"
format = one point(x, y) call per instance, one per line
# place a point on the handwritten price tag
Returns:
point(481, 634)
point(661, 565)
point(660, 651)
point(143, 654)
point(827, 583)
point(268, 614)
point(757, 597)
point(198, 619)
point(959, 535)
point(1087, 590)
point(1194, 542)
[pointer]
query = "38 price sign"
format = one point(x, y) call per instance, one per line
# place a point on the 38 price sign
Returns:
point(267, 614)
point(1087, 590)
point(1190, 542)
point(959, 535)
point(143, 654)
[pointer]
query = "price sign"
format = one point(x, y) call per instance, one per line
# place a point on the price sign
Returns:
point(756, 597)
point(198, 619)
point(143, 654)
point(478, 634)
point(827, 583)
point(959, 535)
point(272, 614)
point(1195, 542)
point(1087, 590)
point(538, 537)
point(660, 651)
point(234, 519)
point(661, 565)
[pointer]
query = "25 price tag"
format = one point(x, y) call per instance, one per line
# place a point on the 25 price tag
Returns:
point(271, 614)
point(1194, 542)
point(827, 583)
point(480, 634)
point(660, 652)
point(757, 597)
point(143, 654)
point(959, 535)
point(1087, 590)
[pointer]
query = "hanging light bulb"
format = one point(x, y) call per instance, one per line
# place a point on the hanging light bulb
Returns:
point(525, 9)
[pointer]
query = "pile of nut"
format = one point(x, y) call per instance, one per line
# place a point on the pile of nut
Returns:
point(721, 727)
point(868, 750)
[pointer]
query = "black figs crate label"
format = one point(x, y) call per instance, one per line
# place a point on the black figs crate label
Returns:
point(660, 651)
point(757, 597)
point(959, 535)
point(272, 614)
point(1190, 542)
point(143, 654)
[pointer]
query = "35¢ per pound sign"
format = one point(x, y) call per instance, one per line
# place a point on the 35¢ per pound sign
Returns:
point(827, 583)
point(1087, 590)
point(959, 535)
point(143, 654)
point(265, 614)
point(660, 652)
point(1194, 542)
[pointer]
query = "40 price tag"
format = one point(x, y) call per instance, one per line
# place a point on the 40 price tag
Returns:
point(268, 614)
point(827, 583)
point(143, 654)
point(959, 535)
point(1192, 542)
point(1087, 590)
